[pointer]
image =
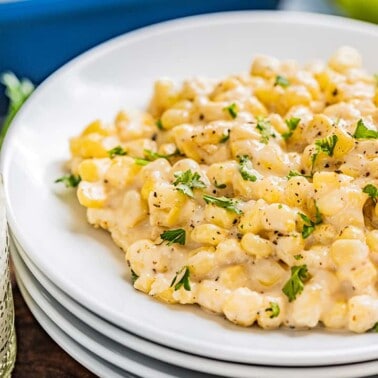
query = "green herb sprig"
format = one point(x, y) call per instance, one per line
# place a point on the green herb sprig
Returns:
point(245, 169)
point(182, 278)
point(265, 129)
point(309, 225)
point(282, 81)
point(232, 110)
point(291, 124)
point(70, 181)
point(326, 145)
point(274, 309)
point(362, 132)
point(223, 202)
point(116, 151)
point(187, 181)
point(372, 191)
point(295, 285)
point(174, 236)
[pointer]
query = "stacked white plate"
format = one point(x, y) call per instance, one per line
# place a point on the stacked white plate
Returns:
point(73, 277)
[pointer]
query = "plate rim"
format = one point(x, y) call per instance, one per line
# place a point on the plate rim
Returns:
point(140, 34)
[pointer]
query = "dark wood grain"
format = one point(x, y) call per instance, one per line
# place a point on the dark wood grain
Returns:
point(37, 354)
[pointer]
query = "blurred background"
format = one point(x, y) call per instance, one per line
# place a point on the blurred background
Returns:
point(38, 36)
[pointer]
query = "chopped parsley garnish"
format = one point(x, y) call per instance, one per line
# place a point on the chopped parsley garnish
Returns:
point(140, 161)
point(295, 174)
point(174, 236)
point(159, 124)
point(118, 150)
point(265, 129)
point(134, 276)
point(182, 279)
point(224, 202)
point(274, 309)
point(281, 81)
point(245, 169)
point(309, 225)
point(232, 110)
point(219, 186)
point(375, 328)
point(292, 124)
point(70, 181)
point(151, 155)
point(372, 191)
point(298, 257)
point(326, 145)
point(18, 92)
point(225, 137)
point(294, 286)
point(362, 132)
point(187, 181)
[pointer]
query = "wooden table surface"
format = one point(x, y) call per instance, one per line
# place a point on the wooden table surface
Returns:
point(37, 354)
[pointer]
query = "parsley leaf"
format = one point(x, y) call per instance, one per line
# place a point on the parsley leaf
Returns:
point(294, 286)
point(298, 257)
point(295, 174)
point(326, 145)
point(178, 281)
point(70, 181)
point(219, 186)
point(151, 155)
point(264, 128)
point(375, 328)
point(292, 124)
point(18, 92)
point(232, 110)
point(309, 225)
point(362, 132)
point(274, 309)
point(225, 137)
point(174, 236)
point(134, 276)
point(372, 191)
point(140, 161)
point(187, 181)
point(245, 169)
point(281, 81)
point(224, 202)
point(159, 124)
point(116, 151)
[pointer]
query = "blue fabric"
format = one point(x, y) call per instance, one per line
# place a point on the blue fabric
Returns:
point(38, 36)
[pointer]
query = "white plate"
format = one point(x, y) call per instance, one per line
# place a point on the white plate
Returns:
point(43, 298)
point(93, 363)
point(84, 262)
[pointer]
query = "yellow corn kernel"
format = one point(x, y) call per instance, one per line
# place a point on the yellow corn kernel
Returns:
point(268, 272)
point(88, 146)
point(220, 217)
point(147, 187)
point(372, 241)
point(256, 246)
point(251, 220)
point(352, 232)
point(121, 117)
point(345, 143)
point(345, 252)
point(166, 296)
point(234, 276)
point(144, 283)
point(209, 234)
point(296, 95)
point(242, 306)
point(336, 317)
point(201, 264)
point(88, 171)
point(325, 181)
point(174, 117)
point(91, 195)
point(122, 171)
point(345, 58)
point(95, 127)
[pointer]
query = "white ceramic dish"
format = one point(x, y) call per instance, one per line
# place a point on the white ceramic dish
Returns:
point(84, 262)
point(93, 363)
point(44, 299)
